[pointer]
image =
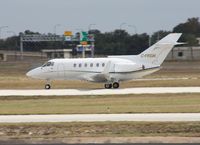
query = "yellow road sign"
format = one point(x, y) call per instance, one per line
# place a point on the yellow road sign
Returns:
point(68, 33)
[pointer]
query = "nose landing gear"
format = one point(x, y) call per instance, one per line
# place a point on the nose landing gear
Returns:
point(47, 86)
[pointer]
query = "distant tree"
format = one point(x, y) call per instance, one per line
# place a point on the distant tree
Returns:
point(30, 32)
point(117, 42)
point(190, 30)
point(11, 43)
point(192, 26)
point(137, 43)
point(158, 36)
point(190, 39)
point(94, 31)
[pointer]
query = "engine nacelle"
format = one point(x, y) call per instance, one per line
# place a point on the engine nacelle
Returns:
point(127, 67)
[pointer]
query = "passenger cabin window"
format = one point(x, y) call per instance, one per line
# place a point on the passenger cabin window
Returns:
point(80, 65)
point(74, 64)
point(85, 64)
point(91, 64)
point(97, 65)
point(103, 64)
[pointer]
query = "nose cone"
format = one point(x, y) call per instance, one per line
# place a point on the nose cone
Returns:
point(30, 73)
point(34, 73)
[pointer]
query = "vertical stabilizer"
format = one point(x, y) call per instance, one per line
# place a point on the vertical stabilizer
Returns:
point(159, 51)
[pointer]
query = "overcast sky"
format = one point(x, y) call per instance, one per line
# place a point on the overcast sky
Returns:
point(146, 15)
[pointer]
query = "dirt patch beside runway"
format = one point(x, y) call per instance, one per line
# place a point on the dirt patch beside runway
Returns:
point(104, 129)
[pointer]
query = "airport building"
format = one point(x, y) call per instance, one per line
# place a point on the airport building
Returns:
point(184, 53)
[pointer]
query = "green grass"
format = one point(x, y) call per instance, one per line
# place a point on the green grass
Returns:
point(101, 104)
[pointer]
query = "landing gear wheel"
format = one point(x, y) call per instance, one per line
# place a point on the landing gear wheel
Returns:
point(108, 86)
point(115, 85)
point(47, 86)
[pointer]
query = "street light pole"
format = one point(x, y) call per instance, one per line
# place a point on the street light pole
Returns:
point(121, 34)
point(90, 26)
point(2, 27)
point(121, 25)
point(14, 34)
point(150, 40)
point(158, 36)
point(92, 43)
point(134, 27)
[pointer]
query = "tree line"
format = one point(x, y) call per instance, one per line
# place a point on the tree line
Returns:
point(115, 42)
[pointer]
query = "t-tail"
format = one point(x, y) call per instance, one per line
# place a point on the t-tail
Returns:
point(157, 53)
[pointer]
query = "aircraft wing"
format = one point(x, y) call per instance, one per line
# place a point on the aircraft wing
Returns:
point(104, 75)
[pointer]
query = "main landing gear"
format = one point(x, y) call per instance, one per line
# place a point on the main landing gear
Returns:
point(115, 85)
point(108, 86)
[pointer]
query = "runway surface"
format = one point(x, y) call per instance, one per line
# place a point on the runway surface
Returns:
point(74, 92)
point(100, 117)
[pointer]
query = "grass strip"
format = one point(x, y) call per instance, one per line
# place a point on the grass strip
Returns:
point(146, 103)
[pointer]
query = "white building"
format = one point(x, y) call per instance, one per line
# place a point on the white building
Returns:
point(184, 53)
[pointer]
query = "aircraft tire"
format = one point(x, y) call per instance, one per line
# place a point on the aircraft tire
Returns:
point(108, 86)
point(47, 86)
point(115, 85)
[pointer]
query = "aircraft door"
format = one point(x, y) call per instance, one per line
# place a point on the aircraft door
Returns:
point(61, 71)
point(112, 67)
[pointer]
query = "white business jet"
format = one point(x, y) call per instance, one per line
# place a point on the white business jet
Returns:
point(111, 70)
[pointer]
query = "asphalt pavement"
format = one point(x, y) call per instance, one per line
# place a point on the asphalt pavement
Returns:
point(100, 117)
point(82, 92)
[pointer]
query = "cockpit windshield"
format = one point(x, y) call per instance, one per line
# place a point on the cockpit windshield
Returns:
point(48, 64)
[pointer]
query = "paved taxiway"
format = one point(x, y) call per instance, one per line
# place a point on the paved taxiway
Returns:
point(73, 92)
point(101, 117)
